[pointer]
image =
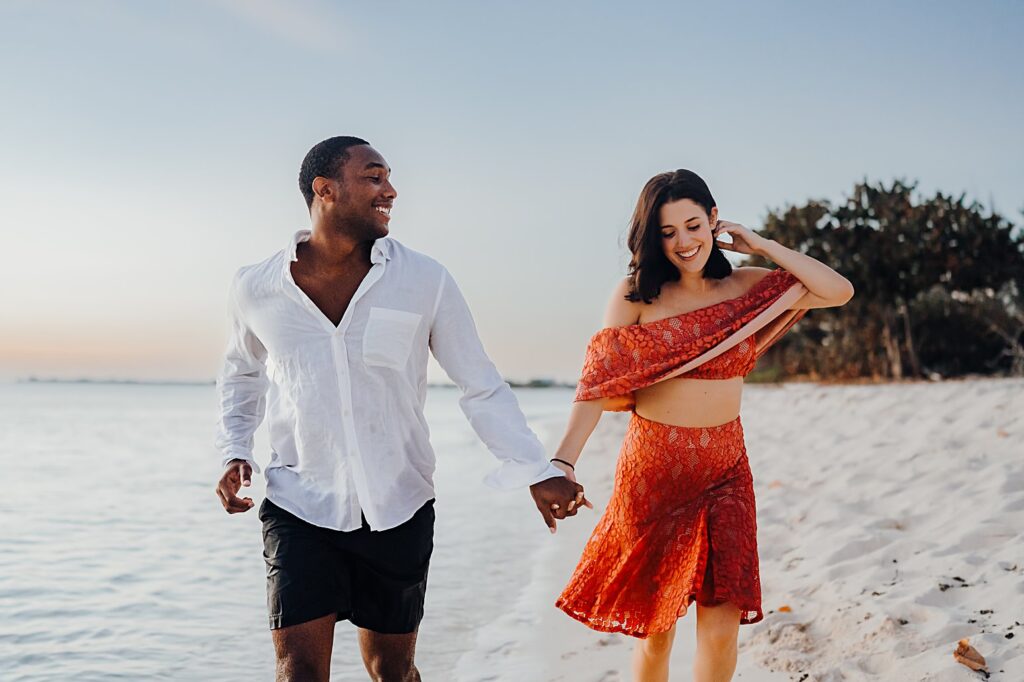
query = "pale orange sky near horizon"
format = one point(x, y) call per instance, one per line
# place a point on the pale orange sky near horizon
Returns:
point(151, 150)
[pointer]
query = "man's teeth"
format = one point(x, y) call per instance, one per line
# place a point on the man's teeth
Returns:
point(386, 210)
point(689, 253)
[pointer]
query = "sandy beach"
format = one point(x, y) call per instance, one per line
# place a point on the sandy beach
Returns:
point(890, 524)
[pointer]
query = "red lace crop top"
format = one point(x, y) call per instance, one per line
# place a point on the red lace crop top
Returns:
point(738, 361)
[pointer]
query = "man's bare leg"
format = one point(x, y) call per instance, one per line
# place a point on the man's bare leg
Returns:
point(304, 650)
point(389, 658)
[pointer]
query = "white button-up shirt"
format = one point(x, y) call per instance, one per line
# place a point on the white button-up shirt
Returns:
point(344, 404)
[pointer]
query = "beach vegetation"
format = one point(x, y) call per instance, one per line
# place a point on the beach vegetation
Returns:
point(939, 281)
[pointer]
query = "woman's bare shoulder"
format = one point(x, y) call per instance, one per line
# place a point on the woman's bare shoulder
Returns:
point(621, 312)
point(749, 276)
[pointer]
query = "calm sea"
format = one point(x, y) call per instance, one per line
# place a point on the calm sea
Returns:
point(117, 561)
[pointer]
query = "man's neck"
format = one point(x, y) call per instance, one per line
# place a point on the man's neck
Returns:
point(333, 248)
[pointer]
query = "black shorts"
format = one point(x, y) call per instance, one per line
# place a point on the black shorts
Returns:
point(377, 580)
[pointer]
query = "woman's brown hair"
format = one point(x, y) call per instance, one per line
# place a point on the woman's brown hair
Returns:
point(649, 269)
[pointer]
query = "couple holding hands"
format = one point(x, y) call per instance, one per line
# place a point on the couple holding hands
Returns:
point(329, 342)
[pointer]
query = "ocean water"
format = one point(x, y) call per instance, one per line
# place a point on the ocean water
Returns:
point(117, 561)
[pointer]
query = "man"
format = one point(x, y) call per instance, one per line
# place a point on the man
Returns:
point(330, 336)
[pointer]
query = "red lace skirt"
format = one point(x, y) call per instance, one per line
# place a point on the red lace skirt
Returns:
point(680, 527)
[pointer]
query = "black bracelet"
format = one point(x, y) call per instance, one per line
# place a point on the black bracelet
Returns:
point(568, 464)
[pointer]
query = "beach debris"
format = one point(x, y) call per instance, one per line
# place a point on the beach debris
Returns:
point(1002, 433)
point(785, 609)
point(775, 484)
point(945, 586)
point(969, 656)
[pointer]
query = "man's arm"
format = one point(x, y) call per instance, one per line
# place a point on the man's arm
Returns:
point(242, 388)
point(493, 411)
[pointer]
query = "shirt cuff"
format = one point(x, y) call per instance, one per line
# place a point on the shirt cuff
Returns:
point(240, 455)
point(512, 475)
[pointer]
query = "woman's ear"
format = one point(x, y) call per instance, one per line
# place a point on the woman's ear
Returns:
point(713, 217)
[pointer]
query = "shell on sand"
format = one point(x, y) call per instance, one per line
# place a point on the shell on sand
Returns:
point(969, 656)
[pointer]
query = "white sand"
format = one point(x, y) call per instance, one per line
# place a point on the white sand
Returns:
point(871, 500)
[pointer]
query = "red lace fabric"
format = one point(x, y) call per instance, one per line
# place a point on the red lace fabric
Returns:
point(680, 527)
point(738, 361)
point(621, 360)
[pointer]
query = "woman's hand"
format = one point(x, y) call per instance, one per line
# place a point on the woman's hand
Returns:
point(569, 473)
point(744, 240)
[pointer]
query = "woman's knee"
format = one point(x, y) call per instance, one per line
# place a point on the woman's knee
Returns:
point(718, 627)
point(658, 645)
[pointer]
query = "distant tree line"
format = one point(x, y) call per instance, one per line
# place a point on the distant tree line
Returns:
point(939, 282)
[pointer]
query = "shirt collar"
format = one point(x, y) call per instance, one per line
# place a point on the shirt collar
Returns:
point(380, 252)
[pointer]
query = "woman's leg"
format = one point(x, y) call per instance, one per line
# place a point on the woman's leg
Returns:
point(717, 630)
point(650, 657)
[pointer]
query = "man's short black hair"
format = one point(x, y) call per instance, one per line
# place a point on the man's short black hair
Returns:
point(325, 160)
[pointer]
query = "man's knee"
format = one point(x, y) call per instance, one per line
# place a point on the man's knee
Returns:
point(390, 667)
point(298, 668)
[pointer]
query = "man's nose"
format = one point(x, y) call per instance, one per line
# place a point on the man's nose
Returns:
point(389, 190)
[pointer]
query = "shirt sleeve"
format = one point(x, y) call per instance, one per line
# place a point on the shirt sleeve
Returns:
point(241, 387)
point(487, 401)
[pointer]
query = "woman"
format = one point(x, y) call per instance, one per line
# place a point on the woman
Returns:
point(681, 332)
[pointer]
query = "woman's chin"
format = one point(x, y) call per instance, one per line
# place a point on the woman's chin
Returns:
point(693, 266)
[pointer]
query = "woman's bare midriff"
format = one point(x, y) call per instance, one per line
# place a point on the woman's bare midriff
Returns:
point(691, 402)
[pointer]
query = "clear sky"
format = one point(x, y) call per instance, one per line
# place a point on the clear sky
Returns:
point(149, 149)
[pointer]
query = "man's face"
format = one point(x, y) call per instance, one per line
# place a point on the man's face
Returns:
point(361, 199)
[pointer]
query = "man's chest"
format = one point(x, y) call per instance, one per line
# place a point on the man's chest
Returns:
point(385, 314)
point(331, 295)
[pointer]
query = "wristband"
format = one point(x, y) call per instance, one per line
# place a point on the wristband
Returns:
point(568, 464)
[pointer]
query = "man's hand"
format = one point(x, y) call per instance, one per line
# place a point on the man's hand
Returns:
point(238, 473)
point(557, 498)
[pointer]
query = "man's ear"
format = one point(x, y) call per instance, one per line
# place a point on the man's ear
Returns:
point(322, 188)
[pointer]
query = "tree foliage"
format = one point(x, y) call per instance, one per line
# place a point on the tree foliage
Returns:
point(939, 284)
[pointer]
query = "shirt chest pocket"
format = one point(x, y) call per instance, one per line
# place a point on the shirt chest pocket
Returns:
point(389, 335)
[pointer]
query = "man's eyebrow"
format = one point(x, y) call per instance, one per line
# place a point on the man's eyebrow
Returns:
point(375, 164)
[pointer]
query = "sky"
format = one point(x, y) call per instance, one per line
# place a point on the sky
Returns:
point(150, 149)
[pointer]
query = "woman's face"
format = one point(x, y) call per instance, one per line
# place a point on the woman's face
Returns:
point(686, 234)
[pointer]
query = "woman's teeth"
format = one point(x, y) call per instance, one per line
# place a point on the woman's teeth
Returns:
point(687, 255)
